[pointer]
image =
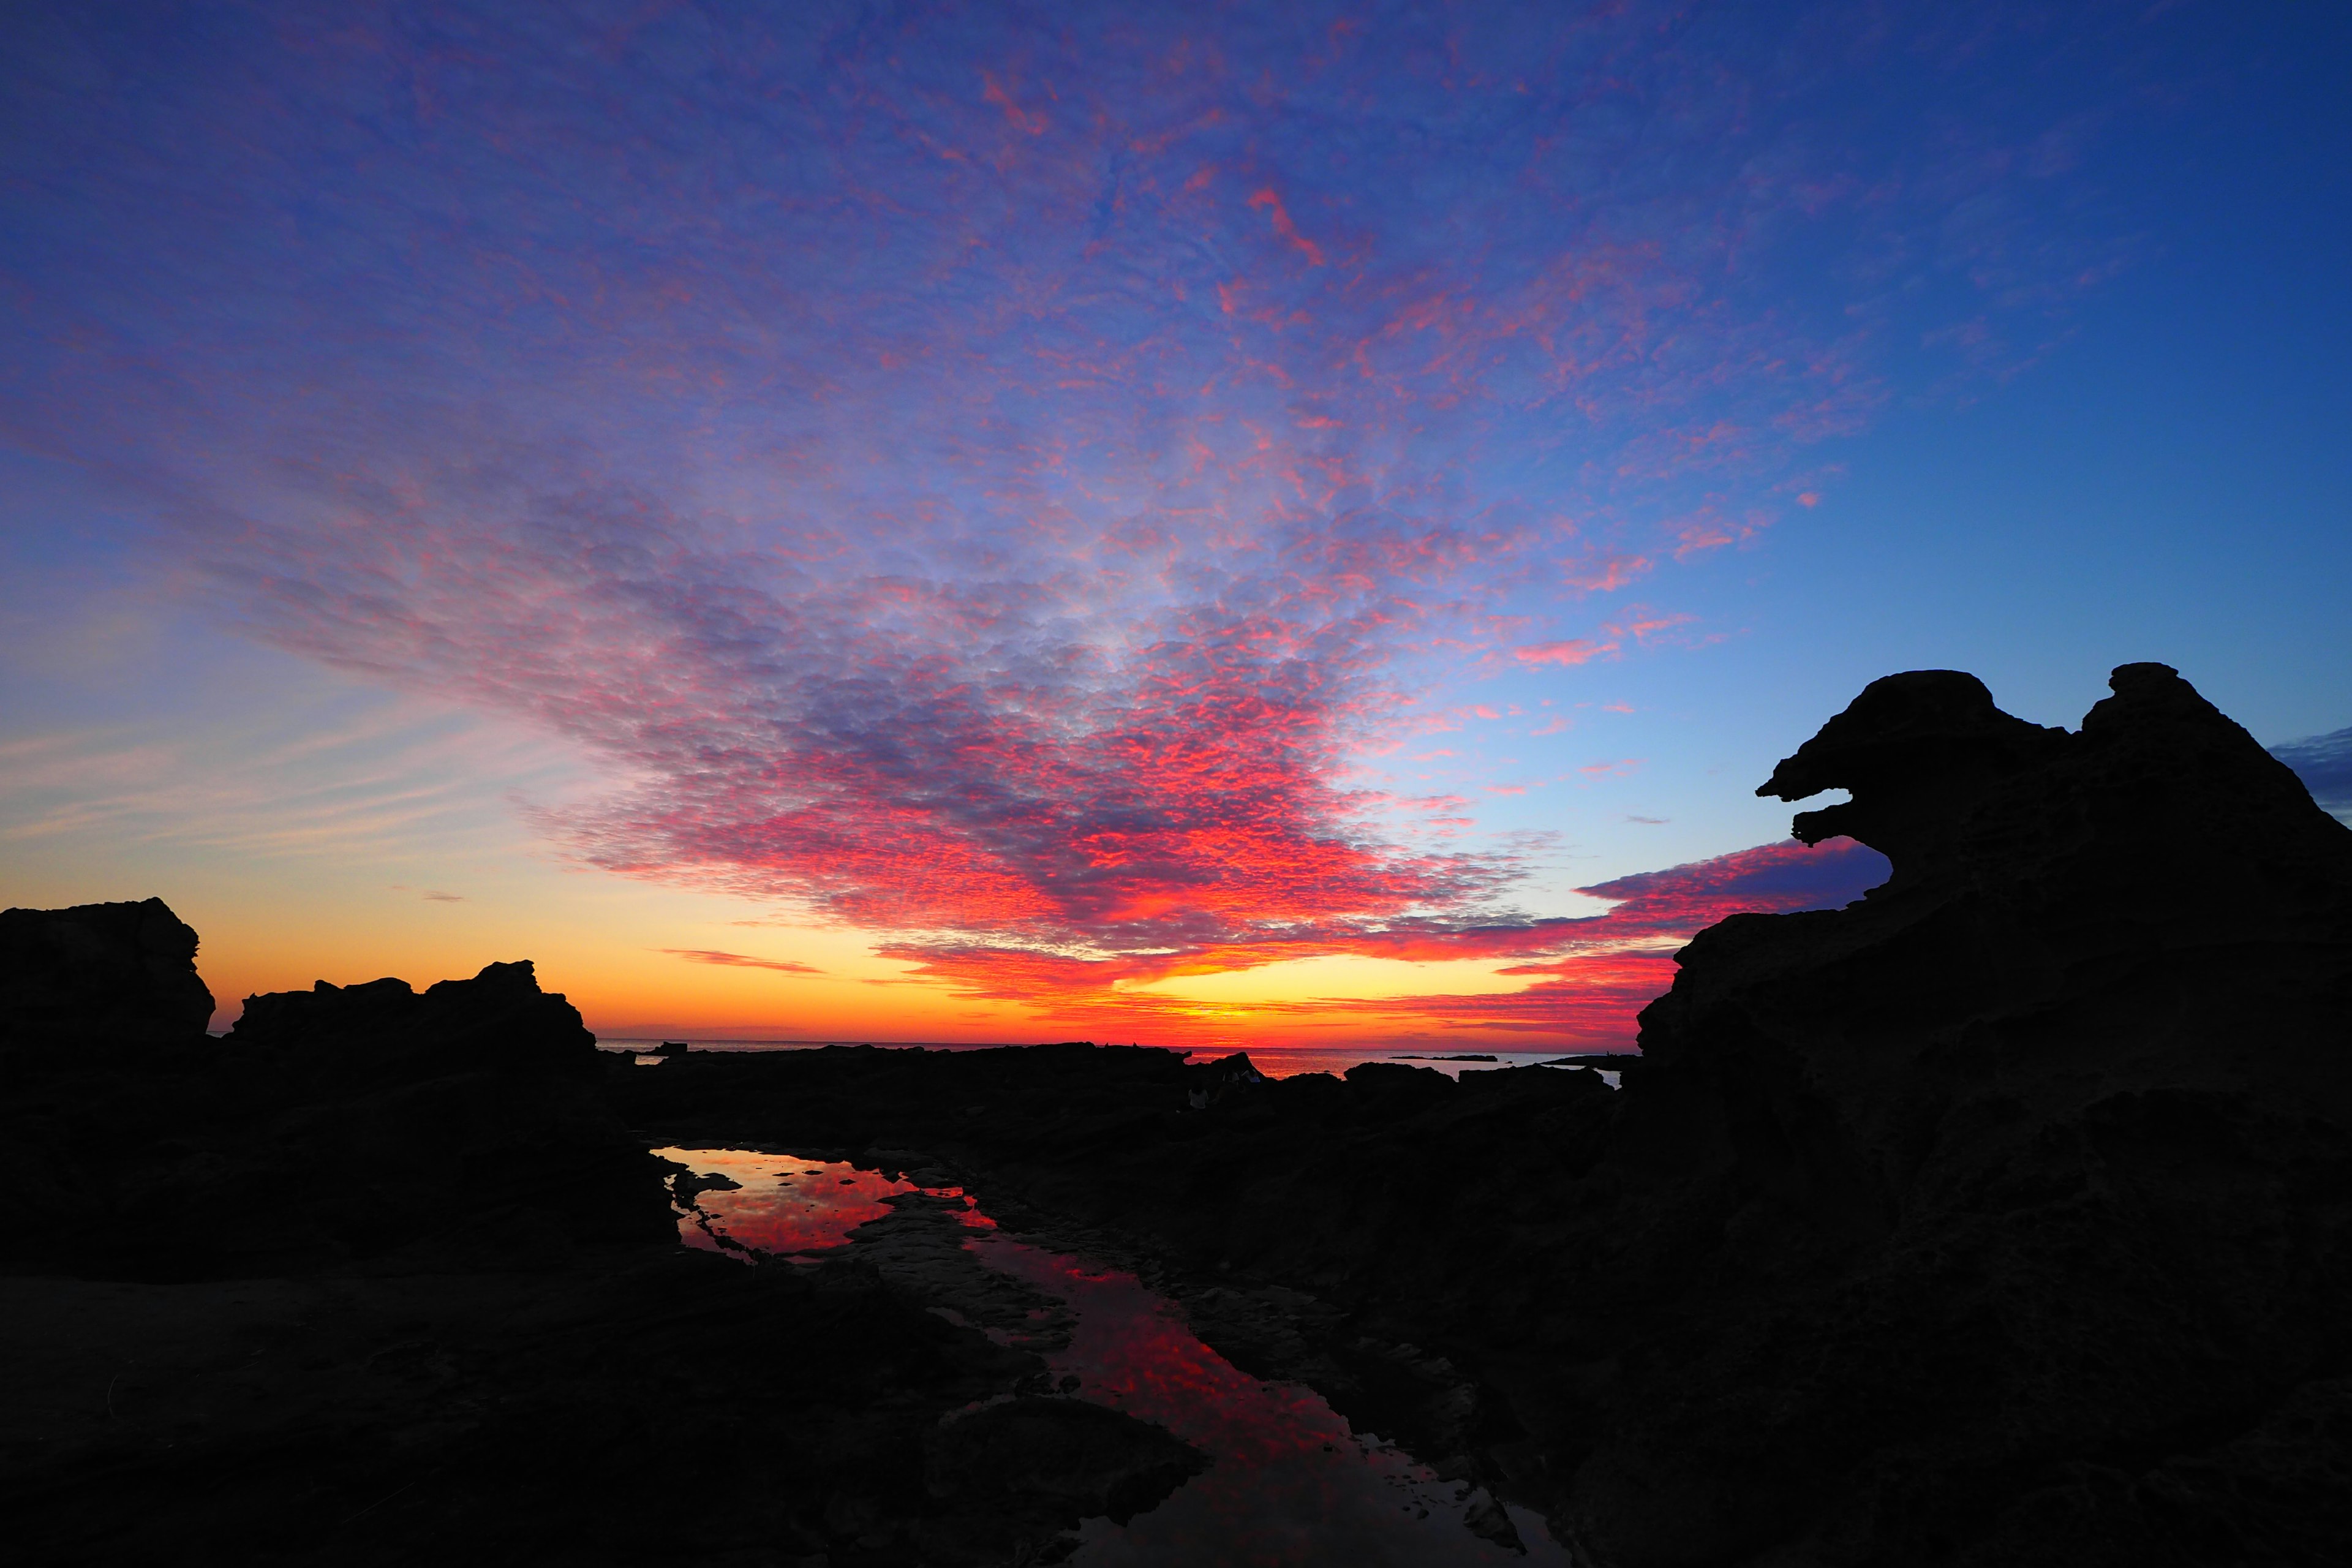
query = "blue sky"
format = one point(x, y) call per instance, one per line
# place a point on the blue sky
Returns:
point(1164, 515)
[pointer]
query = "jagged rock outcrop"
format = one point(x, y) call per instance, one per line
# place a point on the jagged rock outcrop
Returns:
point(100, 974)
point(2008, 1200)
point(330, 1125)
point(382, 1271)
point(498, 1018)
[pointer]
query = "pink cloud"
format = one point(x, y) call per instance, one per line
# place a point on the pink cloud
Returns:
point(1578, 651)
point(738, 959)
point(1608, 573)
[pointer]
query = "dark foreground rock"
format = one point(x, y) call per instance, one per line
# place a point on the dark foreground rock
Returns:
point(330, 1127)
point(112, 976)
point(2004, 1217)
point(381, 1278)
point(1095, 1460)
point(2027, 1176)
point(632, 1407)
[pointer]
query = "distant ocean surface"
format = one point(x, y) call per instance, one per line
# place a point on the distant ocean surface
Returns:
point(1275, 1061)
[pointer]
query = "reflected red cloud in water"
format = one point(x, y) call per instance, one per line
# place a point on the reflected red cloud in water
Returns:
point(1282, 1454)
point(783, 1204)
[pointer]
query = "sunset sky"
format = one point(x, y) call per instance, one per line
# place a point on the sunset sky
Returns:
point(1213, 525)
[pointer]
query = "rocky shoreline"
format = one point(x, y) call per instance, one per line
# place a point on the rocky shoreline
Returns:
point(1997, 1218)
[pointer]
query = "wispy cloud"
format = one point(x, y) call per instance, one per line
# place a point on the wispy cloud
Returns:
point(738, 960)
point(982, 475)
point(362, 779)
point(1574, 651)
point(2324, 762)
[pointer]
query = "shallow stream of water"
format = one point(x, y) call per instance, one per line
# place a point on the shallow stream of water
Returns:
point(1291, 1483)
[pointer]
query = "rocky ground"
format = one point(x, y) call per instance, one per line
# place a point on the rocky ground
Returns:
point(665, 1406)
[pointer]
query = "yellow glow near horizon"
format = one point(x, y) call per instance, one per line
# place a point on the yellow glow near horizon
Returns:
point(1341, 975)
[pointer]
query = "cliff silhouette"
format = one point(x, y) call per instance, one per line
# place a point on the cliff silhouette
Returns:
point(2023, 1173)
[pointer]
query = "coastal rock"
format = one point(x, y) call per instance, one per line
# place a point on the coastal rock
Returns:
point(2032, 1159)
point(498, 1019)
point(332, 1125)
point(100, 974)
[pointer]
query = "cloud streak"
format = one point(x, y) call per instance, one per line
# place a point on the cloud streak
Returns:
point(2324, 762)
point(1589, 976)
point(989, 478)
point(738, 960)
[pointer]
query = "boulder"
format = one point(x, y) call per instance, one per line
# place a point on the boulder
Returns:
point(101, 974)
point(498, 1019)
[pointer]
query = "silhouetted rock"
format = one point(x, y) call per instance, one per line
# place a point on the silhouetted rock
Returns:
point(498, 1021)
point(334, 1124)
point(382, 1271)
point(2016, 1186)
point(2324, 763)
point(100, 974)
point(654, 1405)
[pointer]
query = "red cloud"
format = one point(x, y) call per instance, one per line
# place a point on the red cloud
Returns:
point(1604, 970)
point(1592, 974)
point(1285, 227)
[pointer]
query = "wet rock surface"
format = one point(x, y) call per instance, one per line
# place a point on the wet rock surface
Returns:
point(1999, 1217)
point(920, 1246)
point(665, 1406)
point(1096, 1460)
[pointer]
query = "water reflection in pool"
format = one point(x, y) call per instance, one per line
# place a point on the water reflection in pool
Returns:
point(781, 1204)
point(1292, 1485)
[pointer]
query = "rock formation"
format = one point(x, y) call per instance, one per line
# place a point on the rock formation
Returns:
point(381, 1278)
point(2018, 1170)
point(330, 1125)
point(100, 974)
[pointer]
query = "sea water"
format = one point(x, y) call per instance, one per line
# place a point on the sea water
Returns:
point(1273, 1061)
